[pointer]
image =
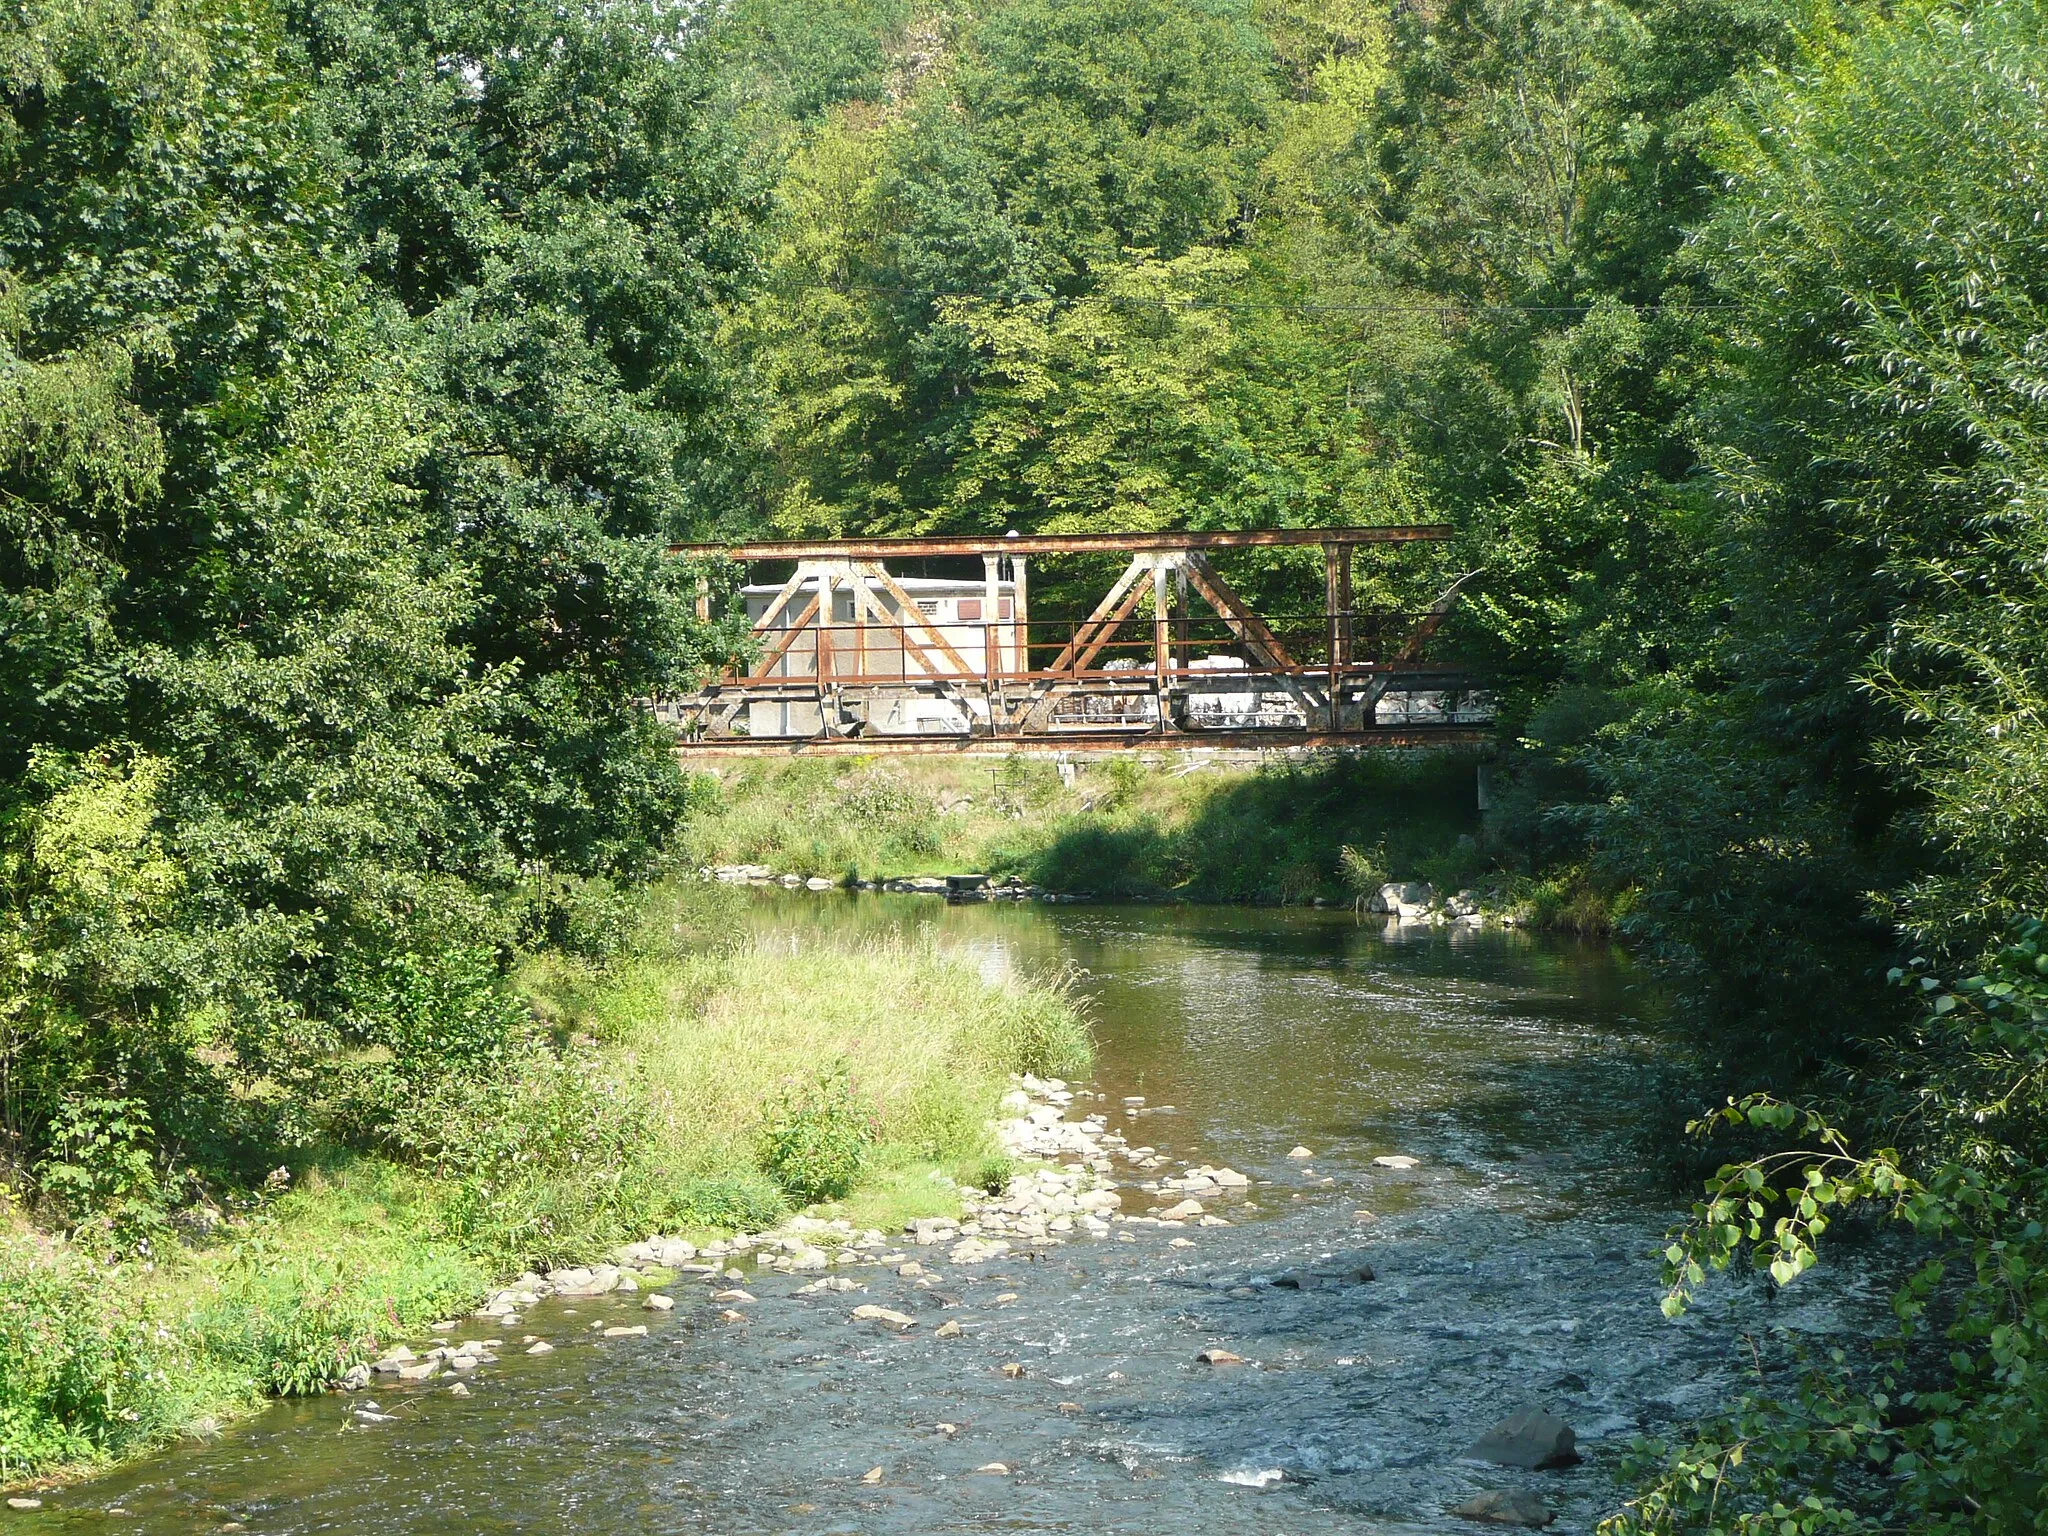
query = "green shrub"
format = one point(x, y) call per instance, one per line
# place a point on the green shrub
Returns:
point(814, 1139)
point(82, 1377)
point(991, 1174)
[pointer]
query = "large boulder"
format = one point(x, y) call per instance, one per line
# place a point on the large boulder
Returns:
point(1405, 899)
point(1499, 1506)
point(1530, 1439)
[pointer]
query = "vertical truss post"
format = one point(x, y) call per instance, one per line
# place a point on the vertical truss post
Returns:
point(857, 585)
point(1184, 646)
point(990, 636)
point(1020, 625)
point(823, 669)
point(1162, 637)
point(1337, 600)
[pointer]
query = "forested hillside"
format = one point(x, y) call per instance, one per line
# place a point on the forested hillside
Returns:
point(358, 361)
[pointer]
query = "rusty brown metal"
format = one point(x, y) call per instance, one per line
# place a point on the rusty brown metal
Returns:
point(1260, 691)
point(1059, 543)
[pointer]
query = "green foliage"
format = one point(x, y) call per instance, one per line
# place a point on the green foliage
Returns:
point(815, 1136)
point(1944, 1429)
point(80, 1378)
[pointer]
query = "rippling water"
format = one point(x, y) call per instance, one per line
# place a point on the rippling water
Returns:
point(1514, 1269)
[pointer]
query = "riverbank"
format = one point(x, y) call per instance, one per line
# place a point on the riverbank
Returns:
point(1184, 827)
point(694, 1086)
point(1290, 831)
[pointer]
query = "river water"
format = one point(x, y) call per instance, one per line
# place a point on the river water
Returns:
point(1515, 1268)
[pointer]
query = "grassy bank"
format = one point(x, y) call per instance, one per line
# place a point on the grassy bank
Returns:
point(1122, 828)
point(641, 1102)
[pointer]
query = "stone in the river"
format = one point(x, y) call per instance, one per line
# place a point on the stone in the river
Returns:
point(1067, 1408)
point(994, 1468)
point(1219, 1357)
point(1182, 1211)
point(19, 1503)
point(426, 1370)
point(1013, 1369)
point(600, 1281)
point(637, 1331)
point(458, 1390)
point(949, 1329)
point(872, 1476)
point(657, 1303)
point(1500, 1506)
point(817, 883)
point(358, 1377)
point(1181, 1242)
point(1004, 1298)
point(1230, 1178)
point(730, 1316)
point(388, 1365)
point(1531, 1438)
point(870, 1313)
point(732, 1295)
point(910, 1270)
point(974, 1250)
point(1399, 1161)
point(542, 1347)
point(1298, 1280)
point(1301, 1154)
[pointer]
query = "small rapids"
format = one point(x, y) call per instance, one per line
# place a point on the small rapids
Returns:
point(1514, 1267)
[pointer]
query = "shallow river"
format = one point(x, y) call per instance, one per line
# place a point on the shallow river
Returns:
point(1514, 1270)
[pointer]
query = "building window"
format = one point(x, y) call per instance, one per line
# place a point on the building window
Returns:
point(970, 609)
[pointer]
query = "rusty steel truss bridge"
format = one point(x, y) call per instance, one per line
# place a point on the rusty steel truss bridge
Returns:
point(847, 656)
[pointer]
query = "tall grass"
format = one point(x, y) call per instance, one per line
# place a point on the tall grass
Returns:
point(640, 1108)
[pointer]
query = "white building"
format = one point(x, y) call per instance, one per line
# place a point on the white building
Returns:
point(964, 629)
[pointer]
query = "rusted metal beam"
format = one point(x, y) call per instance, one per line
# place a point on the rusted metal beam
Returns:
point(1059, 543)
point(1101, 615)
point(1249, 628)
